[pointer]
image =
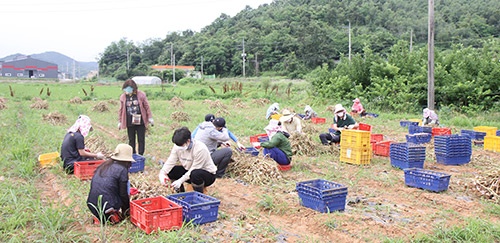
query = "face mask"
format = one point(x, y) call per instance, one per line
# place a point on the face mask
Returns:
point(182, 147)
point(341, 114)
point(128, 90)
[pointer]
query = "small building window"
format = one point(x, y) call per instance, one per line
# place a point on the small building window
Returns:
point(19, 74)
point(7, 74)
point(41, 75)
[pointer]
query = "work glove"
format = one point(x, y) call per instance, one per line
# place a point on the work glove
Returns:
point(119, 125)
point(177, 184)
point(163, 178)
point(151, 121)
point(99, 155)
point(240, 146)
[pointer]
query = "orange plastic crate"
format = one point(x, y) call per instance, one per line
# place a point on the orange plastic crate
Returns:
point(156, 213)
point(357, 156)
point(355, 138)
point(318, 120)
point(376, 137)
point(365, 127)
point(382, 148)
point(437, 131)
point(85, 169)
point(258, 138)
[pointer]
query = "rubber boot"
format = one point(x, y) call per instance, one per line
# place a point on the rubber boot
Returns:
point(199, 188)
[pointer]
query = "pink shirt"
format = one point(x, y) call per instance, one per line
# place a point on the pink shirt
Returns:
point(357, 107)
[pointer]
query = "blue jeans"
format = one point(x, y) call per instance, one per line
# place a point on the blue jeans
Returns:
point(278, 155)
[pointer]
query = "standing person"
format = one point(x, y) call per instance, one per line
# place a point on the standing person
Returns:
point(430, 117)
point(216, 137)
point(211, 118)
point(308, 113)
point(73, 145)
point(134, 114)
point(290, 123)
point(341, 120)
point(272, 110)
point(110, 181)
point(196, 165)
point(278, 147)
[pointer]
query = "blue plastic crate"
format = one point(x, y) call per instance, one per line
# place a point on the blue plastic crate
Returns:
point(474, 134)
point(452, 160)
point(402, 164)
point(251, 150)
point(414, 129)
point(320, 188)
point(407, 123)
point(427, 179)
point(263, 139)
point(323, 205)
point(418, 138)
point(498, 133)
point(138, 165)
point(197, 208)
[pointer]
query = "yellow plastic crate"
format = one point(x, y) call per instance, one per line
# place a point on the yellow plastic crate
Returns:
point(355, 139)
point(490, 131)
point(492, 143)
point(48, 159)
point(417, 120)
point(357, 156)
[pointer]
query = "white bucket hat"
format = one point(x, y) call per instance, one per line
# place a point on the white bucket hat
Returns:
point(338, 107)
point(286, 115)
point(123, 152)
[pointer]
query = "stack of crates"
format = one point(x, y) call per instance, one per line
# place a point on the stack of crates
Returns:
point(474, 135)
point(418, 138)
point(453, 149)
point(407, 155)
point(412, 129)
point(355, 147)
point(322, 195)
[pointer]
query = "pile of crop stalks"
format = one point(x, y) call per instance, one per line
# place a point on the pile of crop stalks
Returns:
point(2, 103)
point(330, 108)
point(217, 104)
point(261, 102)
point(95, 144)
point(312, 129)
point(254, 170)
point(112, 102)
point(148, 185)
point(177, 102)
point(179, 116)
point(55, 118)
point(39, 104)
point(239, 104)
point(303, 144)
point(101, 107)
point(76, 100)
point(221, 112)
point(488, 186)
point(174, 126)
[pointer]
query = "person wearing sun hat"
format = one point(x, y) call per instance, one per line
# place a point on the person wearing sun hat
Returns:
point(73, 145)
point(308, 113)
point(341, 120)
point(290, 123)
point(430, 117)
point(110, 181)
point(278, 147)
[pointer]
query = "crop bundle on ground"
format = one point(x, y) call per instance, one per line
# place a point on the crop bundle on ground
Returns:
point(261, 102)
point(330, 108)
point(55, 118)
point(40, 104)
point(179, 116)
point(148, 185)
point(254, 170)
point(3, 100)
point(303, 144)
point(2, 103)
point(113, 102)
point(217, 104)
point(488, 186)
point(101, 107)
point(311, 129)
point(76, 100)
point(96, 144)
point(221, 112)
point(177, 102)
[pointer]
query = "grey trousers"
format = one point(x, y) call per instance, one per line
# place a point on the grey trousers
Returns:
point(221, 158)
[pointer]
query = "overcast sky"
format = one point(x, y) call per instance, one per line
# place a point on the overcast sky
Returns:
point(81, 29)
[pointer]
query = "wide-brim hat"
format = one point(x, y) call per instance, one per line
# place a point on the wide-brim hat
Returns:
point(286, 115)
point(338, 108)
point(273, 124)
point(123, 152)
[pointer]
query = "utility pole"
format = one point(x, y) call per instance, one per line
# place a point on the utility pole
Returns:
point(430, 51)
point(243, 56)
point(74, 70)
point(411, 40)
point(173, 69)
point(201, 66)
point(349, 40)
point(256, 65)
point(172, 61)
point(128, 61)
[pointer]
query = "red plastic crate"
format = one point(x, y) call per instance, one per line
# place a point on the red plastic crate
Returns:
point(258, 138)
point(382, 148)
point(318, 120)
point(365, 127)
point(85, 169)
point(156, 213)
point(376, 137)
point(436, 131)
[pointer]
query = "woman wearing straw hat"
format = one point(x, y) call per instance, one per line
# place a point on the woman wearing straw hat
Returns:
point(290, 123)
point(341, 120)
point(110, 182)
